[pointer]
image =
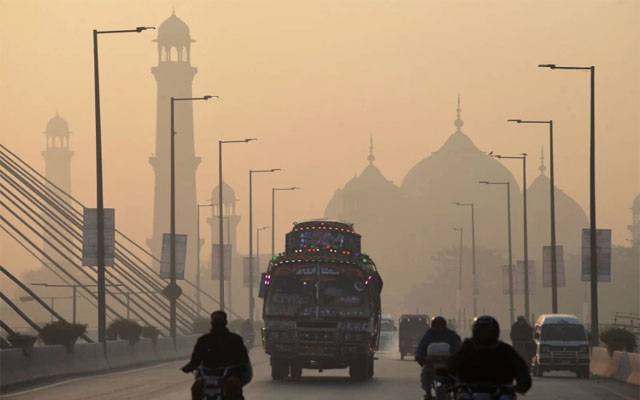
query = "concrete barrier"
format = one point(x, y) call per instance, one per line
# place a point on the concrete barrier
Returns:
point(47, 362)
point(634, 364)
point(621, 366)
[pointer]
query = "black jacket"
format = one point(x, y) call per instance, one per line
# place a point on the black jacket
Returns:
point(498, 365)
point(445, 335)
point(521, 332)
point(220, 348)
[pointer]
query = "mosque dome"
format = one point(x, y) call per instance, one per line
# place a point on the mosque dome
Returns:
point(452, 174)
point(228, 194)
point(174, 31)
point(57, 126)
point(364, 197)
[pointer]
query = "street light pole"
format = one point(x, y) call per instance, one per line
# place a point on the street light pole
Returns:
point(258, 243)
point(510, 267)
point(251, 273)
point(459, 292)
point(595, 335)
point(473, 254)
point(102, 305)
point(273, 216)
point(175, 291)
point(552, 207)
point(221, 216)
point(523, 157)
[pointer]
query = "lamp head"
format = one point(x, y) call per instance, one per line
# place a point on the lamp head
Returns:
point(144, 28)
point(275, 169)
point(519, 121)
point(249, 140)
point(207, 97)
point(550, 66)
point(485, 182)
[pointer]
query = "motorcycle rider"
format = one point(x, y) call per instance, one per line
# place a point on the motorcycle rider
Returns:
point(485, 359)
point(438, 333)
point(218, 349)
point(522, 338)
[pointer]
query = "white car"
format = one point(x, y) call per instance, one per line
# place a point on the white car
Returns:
point(561, 345)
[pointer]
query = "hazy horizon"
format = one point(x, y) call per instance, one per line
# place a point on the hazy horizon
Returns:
point(313, 80)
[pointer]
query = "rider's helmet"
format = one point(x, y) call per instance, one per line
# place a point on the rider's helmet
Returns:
point(485, 331)
point(438, 323)
point(218, 319)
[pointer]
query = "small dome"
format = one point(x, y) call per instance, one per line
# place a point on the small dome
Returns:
point(57, 126)
point(228, 194)
point(173, 31)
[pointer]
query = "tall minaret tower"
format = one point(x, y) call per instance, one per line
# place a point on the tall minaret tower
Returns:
point(174, 76)
point(57, 159)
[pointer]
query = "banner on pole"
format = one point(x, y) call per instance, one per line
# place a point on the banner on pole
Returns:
point(215, 262)
point(603, 249)
point(546, 267)
point(181, 255)
point(90, 236)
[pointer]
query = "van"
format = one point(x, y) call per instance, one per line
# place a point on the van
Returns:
point(561, 345)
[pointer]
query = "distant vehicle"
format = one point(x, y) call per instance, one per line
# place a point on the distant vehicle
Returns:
point(388, 332)
point(561, 345)
point(411, 329)
point(321, 303)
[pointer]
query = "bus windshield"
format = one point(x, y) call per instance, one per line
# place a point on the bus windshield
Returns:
point(318, 290)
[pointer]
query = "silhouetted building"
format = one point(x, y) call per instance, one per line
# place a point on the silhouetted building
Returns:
point(174, 76)
point(57, 165)
point(374, 205)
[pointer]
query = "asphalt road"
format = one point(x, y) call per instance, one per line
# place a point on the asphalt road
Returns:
point(394, 379)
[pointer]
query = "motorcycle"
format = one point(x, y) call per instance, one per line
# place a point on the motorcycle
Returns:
point(220, 383)
point(464, 391)
point(436, 363)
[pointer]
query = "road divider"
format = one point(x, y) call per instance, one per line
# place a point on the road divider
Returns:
point(621, 365)
point(49, 362)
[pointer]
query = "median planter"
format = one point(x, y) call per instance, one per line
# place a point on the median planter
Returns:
point(62, 333)
point(22, 341)
point(125, 329)
point(618, 339)
point(150, 332)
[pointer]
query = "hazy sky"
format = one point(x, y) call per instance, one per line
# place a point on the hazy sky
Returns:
point(313, 79)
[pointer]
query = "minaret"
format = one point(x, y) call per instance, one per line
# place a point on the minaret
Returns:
point(458, 122)
point(542, 168)
point(230, 228)
point(371, 157)
point(174, 76)
point(57, 161)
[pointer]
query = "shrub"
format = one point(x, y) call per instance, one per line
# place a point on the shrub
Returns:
point(21, 341)
point(201, 325)
point(150, 332)
point(62, 333)
point(618, 339)
point(124, 329)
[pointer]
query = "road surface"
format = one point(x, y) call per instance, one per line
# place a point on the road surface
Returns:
point(394, 379)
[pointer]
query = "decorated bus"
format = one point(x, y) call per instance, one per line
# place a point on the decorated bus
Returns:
point(321, 303)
